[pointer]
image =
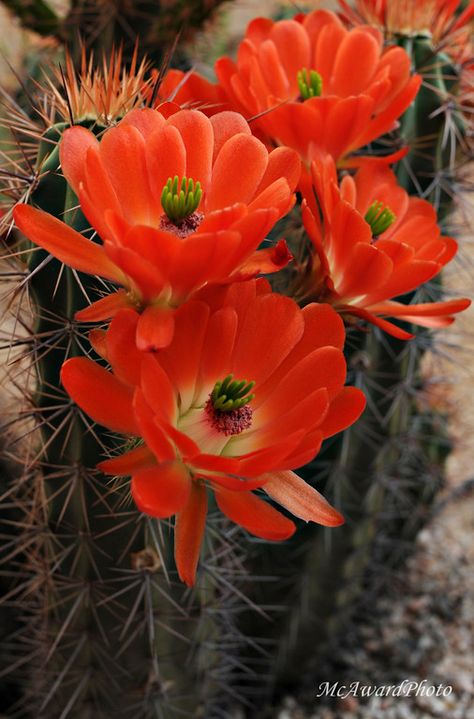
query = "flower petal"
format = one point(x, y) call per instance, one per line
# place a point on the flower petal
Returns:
point(122, 352)
point(237, 172)
point(163, 490)
point(73, 149)
point(254, 515)
point(105, 308)
point(198, 137)
point(301, 499)
point(188, 533)
point(151, 431)
point(65, 244)
point(155, 328)
point(343, 411)
point(225, 125)
point(101, 395)
point(129, 463)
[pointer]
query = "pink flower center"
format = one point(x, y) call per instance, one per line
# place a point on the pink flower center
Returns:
point(231, 422)
point(184, 227)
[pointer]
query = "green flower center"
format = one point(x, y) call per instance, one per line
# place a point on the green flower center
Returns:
point(230, 394)
point(380, 218)
point(310, 83)
point(180, 199)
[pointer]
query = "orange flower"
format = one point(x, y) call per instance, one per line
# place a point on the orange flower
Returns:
point(178, 202)
point(373, 242)
point(439, 18)
point(246, 391)
point(340, 88)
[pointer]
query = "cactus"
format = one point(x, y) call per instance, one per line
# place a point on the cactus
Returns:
point(106, 629)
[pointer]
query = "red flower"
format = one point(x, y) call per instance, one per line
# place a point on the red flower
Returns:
point(164, 238)
point(372, 243)
point(199, 430)
point(359, 88)
point(405, 17)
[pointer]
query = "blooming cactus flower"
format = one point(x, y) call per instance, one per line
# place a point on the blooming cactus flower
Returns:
point(373, 242)
point(245, 392)
point(178, 202)
point(404, 17)
point(311, 80)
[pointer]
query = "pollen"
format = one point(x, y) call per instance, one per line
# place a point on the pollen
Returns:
point(231, 422)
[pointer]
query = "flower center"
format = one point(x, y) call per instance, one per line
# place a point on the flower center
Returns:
point(180, 199)
point(310, 83)
point(227, 407)
point(380, 218)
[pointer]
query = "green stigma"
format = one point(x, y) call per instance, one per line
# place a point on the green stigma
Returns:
point(180, 199)
point(379, 218)
point(230, 394)
point(310, 83)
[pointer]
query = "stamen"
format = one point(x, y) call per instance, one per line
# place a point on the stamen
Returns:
point(380, 218)
point(229, 423)
point(227, 407)
point(310, 83)
point(180, 199)
point(230, 394)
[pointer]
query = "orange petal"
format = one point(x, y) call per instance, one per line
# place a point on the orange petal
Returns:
point(155, 328)
point(123, 153)
point(355, 63)
point(384, 325)
point(198, 137)
point(65, 244)
point(293, 46)
point(343, 411)
point(145, 120)
point(73, 148)
point(157, 388)
point(163, 490)
point(301, 499)
point(258, 348)
point(272, 457)
point(367, 270)
point(105, 308)
point(128, 463)
point(188, 533)
point(254, 515)
point(323, 327)
point(146, 276)
point(182, 358)
point(120, 335)
point(237, 172)
point(424, 309)
point(218, 346)
point(151, 431)
point(225, 125)
point(165, 157)
point(275, 195)
point(98, 340)
point(282, 162)
point(264, 262)
point(101, 395)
